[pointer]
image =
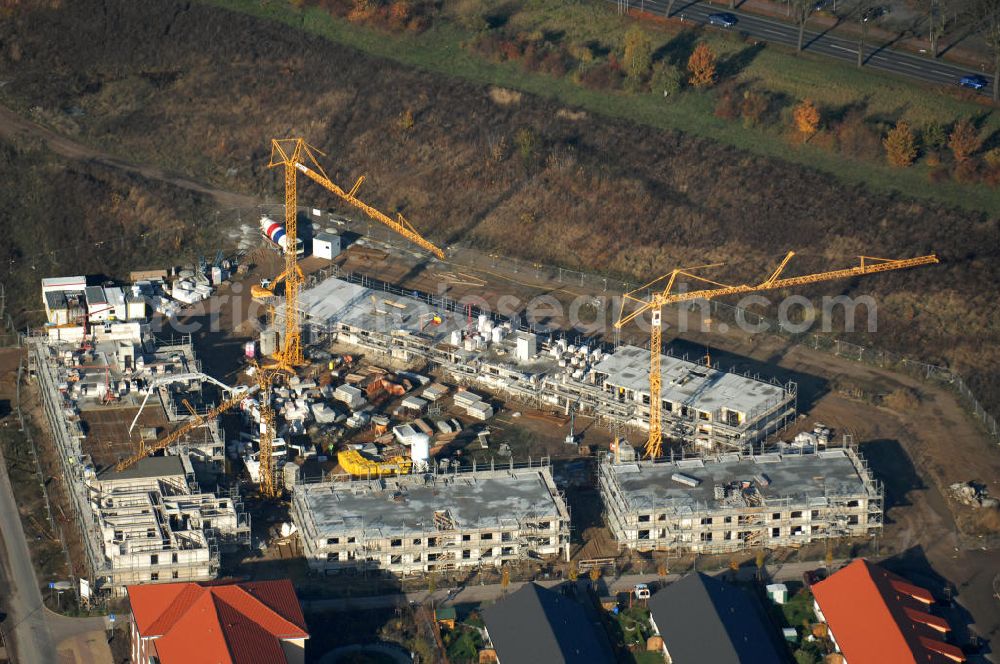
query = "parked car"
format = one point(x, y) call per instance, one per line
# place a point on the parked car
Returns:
point(722, 19)
point(974, 81)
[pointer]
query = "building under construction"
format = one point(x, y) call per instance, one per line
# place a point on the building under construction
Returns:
point(105, 395)
point(732, 502)
point(711, 407)
point(414, 524)
point(704, 406)
point(156, 525)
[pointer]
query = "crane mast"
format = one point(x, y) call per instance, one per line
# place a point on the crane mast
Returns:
point(268, 488)
point(286, 153)
point(655, 303)
point(295, 155)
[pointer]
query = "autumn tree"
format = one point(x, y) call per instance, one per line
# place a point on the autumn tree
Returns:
point(701, 64)
point(806, 119)
point(595, 575)
point(759, 562)
point(963, 140)
point(505, 578)
point(900, 145)
point(638, 54)
point(574, 572)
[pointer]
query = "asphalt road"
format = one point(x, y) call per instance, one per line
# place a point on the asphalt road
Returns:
point(877, 54)
point(25, 625)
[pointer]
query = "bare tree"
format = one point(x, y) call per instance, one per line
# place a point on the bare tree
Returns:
point(801, 9)
point(935, 24)
point(987, 15)
point(864, 9)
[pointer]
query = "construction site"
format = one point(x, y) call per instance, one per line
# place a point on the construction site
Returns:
point(431, 523)
point(734, 502)
point(703, 406)
point(109, 397)
point(385, 425)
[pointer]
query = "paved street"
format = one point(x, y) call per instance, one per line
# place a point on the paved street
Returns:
point(25, 625)
point(877, 56)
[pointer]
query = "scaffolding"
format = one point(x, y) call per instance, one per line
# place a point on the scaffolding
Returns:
point(162, 529)
point(744, 511)
point(435, 522)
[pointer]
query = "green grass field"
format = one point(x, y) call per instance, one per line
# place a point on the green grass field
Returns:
point(830, 84)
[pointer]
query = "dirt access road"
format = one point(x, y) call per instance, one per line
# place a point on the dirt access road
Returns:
point(15, 128)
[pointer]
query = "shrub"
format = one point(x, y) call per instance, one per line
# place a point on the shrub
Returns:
point(963, 141)
point(400, 13)
point(806, 119)
point(900, 146)
point(666, 79)
point(406, 120)
point(554, 64)
point(601, 76)
point(527, 145)
point(753, 107)
point(967, 171)
point(856, 138)
point(933, 136)
point(701, 64)
point(992, 158)
point(727, 106)
point(939, 175)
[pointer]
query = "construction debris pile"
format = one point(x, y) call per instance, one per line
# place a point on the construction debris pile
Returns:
point(973, 494)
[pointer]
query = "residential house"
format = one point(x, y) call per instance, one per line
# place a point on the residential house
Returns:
point(704, 619)
point(875, 616)
point(536, 624)
point(257, 622)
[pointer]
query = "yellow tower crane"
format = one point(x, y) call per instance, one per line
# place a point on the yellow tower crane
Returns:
point(196, 421)
point(714, 289)
point(295, 155)
point(268, 487)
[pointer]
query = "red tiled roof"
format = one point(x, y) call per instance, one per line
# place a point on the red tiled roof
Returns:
point(877, 617)
point(218, 623)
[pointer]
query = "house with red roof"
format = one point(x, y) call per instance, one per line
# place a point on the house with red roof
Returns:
point(217, 623)
point(875, 617)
